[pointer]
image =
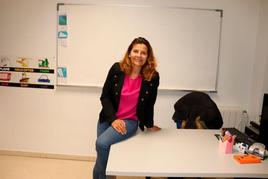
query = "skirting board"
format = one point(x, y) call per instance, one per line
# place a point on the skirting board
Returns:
point(47, 155)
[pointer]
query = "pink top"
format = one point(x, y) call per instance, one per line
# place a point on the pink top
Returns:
point(129, 98)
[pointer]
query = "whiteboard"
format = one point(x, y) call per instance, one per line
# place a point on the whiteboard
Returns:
point(185, 42)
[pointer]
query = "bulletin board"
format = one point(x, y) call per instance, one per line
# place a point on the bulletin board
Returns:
point(185, 41)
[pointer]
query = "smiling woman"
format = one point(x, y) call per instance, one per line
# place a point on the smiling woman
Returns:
point(138, 55)
point(128, 98)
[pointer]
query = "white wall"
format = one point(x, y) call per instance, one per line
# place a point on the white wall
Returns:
point(64, 120)
point(260, 67)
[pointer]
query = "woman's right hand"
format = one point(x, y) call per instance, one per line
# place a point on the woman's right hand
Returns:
point(120, 126)
point(154, 129)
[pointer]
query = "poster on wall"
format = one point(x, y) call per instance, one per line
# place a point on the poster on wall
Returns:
point(62, 29)
point(26, 72)
point(62, 75)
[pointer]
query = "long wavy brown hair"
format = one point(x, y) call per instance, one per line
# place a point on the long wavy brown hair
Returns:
point(149, 68)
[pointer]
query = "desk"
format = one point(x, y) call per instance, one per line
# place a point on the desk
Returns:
point(178, 152)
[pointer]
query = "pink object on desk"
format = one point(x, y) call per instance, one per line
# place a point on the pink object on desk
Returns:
point(227, 146)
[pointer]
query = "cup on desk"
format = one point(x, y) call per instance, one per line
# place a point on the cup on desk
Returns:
point(226, 144)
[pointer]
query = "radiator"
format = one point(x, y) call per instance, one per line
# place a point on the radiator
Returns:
point(234, 117)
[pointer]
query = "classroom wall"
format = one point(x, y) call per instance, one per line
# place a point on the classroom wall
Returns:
point(260, 67)
point(63, 121)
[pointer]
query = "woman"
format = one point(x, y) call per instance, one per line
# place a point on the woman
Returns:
point(128, 98)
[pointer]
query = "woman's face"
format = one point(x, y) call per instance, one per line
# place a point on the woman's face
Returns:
point(138, 55)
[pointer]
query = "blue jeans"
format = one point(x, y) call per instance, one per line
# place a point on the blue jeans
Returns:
point(106, 136)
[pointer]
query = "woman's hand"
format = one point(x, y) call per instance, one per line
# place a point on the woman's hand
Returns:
point(154, 128)
point(120, 126)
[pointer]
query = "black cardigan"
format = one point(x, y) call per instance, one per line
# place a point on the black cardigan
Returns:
point(111, 93)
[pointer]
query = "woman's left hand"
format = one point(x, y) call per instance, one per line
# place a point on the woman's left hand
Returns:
point(154, 128)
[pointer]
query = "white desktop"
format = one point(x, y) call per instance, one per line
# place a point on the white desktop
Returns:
point(178, 153)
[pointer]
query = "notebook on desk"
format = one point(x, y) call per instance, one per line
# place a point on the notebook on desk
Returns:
point(240, 136)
